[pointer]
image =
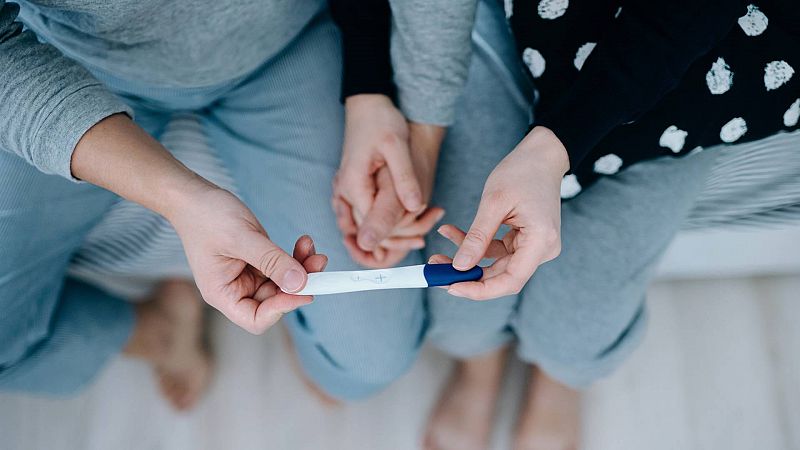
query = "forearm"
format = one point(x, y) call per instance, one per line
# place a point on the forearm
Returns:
point(118, 155)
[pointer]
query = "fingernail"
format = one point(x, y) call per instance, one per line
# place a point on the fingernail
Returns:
point(440, 216)
point(418, 245)
point(293, 280)
point(462, 260)
point(454, 291)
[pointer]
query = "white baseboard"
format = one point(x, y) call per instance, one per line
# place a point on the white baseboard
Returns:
point(733, 253)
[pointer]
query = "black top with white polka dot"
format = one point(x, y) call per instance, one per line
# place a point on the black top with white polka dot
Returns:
point(621, 81)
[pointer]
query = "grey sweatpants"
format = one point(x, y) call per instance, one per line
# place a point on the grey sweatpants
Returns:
point(584, 312)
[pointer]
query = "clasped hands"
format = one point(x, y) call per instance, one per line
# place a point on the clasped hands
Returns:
point(384, 186)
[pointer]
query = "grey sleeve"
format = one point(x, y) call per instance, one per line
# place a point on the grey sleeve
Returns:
point(431, 50)
point(47, 102)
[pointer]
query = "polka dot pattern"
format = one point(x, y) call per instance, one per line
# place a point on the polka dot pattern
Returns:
point(570, 186)
point(673, 138)
point(608, 165)
point(733, 130)
point(535, 61)
point(792, 114)
point(719, 78)
point(754, 22)
point(583, 52)
point(776, 74)
point(552, 9)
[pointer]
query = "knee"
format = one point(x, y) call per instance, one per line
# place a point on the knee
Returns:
point(352, 364)
point(578, 347)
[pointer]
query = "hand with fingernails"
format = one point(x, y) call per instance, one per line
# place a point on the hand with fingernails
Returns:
point(237, 269)
point(522, 192)
point(384, 182)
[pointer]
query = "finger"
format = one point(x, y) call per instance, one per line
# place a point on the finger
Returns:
point(497, 248)
point(315, 263)
point(357, 186)
point(381, 219)
point(421, 225)
point(344, 216)
point(303, 248)
point(273, 308)
point(257, 250)
point(398, 158)
point(480, 235)
point(440, 259)
point(359, 256)
point(406, 243)
point(498, 286)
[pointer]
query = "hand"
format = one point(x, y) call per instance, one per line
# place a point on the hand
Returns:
point(238, 270)
point(376, 136)
point(381, 231)
point(405, 231)
point(523, 192)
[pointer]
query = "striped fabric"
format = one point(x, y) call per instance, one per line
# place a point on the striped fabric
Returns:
point(752, 184)
point(133, 246)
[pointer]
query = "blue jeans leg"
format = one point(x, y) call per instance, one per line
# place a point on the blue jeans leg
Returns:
point(55, 334)
point(280, 135)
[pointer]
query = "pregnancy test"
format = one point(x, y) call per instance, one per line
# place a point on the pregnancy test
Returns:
point(421, 276)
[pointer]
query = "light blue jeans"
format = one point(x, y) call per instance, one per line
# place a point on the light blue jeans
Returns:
point(279, 132)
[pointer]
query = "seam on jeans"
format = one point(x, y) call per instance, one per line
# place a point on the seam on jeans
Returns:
point(327, 356)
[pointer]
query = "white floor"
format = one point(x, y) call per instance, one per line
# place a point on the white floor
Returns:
point(719, 370)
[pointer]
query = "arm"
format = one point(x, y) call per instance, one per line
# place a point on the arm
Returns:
point(61, 120)
point(431, 50)
point(387, 168)
point(47, 102)
point(366, 27)
point(642, 57)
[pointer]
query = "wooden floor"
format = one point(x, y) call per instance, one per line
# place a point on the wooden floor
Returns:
point(720, 369)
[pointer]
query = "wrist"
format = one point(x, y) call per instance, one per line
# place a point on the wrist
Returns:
point(548, 149)
point(361, 101)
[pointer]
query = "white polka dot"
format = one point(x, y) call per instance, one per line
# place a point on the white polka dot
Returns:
point(535, 62)
point(673, 138)
point(719, 77)
point(619, 10)
point(754, 22)
point(508, 6)
point(552, 9)
point(792, 114)
point(608, 165)
point(733, 130)
point(583, 53)
point(776, 74)
point(570, 186)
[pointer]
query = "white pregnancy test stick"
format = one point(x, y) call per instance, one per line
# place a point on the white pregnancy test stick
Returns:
point(421, 276)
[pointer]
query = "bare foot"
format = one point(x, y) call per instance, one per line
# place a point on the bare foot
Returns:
point(169, 335)
point(464, 414)
point(550, 417)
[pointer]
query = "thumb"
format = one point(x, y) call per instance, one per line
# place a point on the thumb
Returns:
point(398, 158)
point(257, 250)
point(480, 235)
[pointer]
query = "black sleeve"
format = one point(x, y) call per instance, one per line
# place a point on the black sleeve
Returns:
point(644, 56)
point(366, 30)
